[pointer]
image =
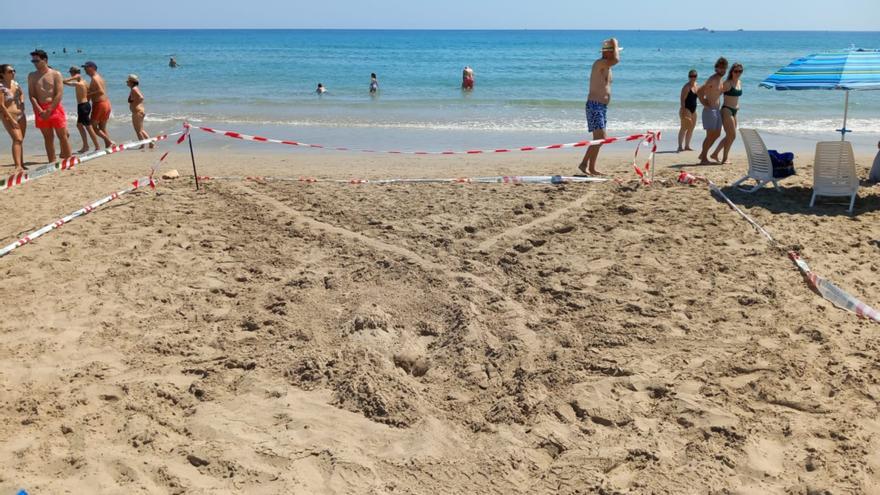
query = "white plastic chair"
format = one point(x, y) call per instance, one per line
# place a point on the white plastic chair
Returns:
point(760, 166)
point(834, 172)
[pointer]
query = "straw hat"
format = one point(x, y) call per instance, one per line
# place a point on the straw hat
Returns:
point(133, 78)
point(608, 46)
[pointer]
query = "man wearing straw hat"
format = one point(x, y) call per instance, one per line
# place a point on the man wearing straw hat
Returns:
point(597, 101)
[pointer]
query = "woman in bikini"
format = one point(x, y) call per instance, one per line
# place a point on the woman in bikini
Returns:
point(688, 112)
point(136, 105)
point(729, 107)
point(12, 113)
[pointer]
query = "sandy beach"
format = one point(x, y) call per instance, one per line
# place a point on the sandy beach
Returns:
point(282, 337)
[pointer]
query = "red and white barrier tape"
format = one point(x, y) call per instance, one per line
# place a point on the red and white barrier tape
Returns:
point(581, 144)
point(821, 286)
point(517, 179)
point(144, 181)
point(832, 293)
point(756, 225)
point(137, 184)
point(69, 163)
point(651, 140)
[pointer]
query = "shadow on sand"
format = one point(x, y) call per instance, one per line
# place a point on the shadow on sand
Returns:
point(796, 200)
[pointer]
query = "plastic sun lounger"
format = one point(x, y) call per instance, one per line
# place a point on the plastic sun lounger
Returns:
point(834, 172)
point(760, 166)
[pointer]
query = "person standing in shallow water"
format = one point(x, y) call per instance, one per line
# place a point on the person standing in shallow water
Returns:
point(729, 107)
point(709, 95)
point(688, 112)
point(101, 108)
point(46, 91)
point(467, 79)
point(83, 109)
point(12, 112)
point(374, 84)
point(597, 102)
point(136, 106)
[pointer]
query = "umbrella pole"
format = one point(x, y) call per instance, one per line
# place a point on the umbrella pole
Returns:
point(845, 115)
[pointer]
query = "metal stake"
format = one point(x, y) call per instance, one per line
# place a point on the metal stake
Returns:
point(193, 156)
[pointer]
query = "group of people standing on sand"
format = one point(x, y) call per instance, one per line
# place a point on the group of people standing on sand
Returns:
point(45, 92)
point(720, 99)
point(718, 95)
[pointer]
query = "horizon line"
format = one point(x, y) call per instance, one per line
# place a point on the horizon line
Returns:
point(702, 29)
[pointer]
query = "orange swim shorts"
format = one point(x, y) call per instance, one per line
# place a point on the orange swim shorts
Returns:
point(56, 120)
point(100, 112)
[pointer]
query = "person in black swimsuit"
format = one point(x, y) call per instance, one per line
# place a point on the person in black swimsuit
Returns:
point(688, 112)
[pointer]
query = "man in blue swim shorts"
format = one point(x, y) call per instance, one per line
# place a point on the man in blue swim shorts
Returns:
point(597, 102)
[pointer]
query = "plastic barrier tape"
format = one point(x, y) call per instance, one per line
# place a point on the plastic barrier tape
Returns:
point(832, 293)
point(137, 184)
point(518, 179)
point(69, 163)
point(580, 144)
point(821, 286)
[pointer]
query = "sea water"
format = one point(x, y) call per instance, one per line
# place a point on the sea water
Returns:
point(530, 85)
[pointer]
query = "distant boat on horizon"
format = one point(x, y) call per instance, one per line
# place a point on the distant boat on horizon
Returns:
point(702, 29)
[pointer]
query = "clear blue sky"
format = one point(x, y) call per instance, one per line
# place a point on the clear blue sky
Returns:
point(837, 15)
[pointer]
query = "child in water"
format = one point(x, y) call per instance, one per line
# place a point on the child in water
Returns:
point(321, 89)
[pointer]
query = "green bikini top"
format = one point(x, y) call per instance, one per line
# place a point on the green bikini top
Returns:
point(733, 92)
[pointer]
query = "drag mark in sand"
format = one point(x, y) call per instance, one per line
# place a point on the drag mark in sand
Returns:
point(519, 314)
point(516, 231)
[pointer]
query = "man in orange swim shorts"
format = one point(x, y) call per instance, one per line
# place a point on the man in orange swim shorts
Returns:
point(46, 91)
point(100, 102)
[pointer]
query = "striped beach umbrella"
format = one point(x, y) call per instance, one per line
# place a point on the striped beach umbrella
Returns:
point(855, 69)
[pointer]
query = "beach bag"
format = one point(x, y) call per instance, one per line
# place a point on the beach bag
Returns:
point(875, 170)
point(783, 164)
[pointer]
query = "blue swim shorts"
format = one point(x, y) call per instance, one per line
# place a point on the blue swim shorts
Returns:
point(712, 119)
point(596, 116)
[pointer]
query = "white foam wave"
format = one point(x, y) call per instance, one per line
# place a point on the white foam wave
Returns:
point(780, 126)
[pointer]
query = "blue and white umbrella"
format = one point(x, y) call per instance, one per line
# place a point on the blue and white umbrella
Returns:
point(855, 69)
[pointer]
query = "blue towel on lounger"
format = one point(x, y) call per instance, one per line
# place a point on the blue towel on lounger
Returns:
point(783, 164)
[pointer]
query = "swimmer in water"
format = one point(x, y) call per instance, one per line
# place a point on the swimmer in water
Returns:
point(172, 63)
point(467, 79)
point(321, 89)
point(374, 84)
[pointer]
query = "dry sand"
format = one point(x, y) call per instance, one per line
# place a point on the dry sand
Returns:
point(319, 338)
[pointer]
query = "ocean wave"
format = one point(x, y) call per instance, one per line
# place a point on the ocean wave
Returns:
point(785, 126)
point(782, 126)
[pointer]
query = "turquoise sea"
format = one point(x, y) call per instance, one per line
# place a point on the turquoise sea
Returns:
point(530, 89)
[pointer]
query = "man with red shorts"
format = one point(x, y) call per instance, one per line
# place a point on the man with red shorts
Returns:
point(100, 102)
point(45, 91)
